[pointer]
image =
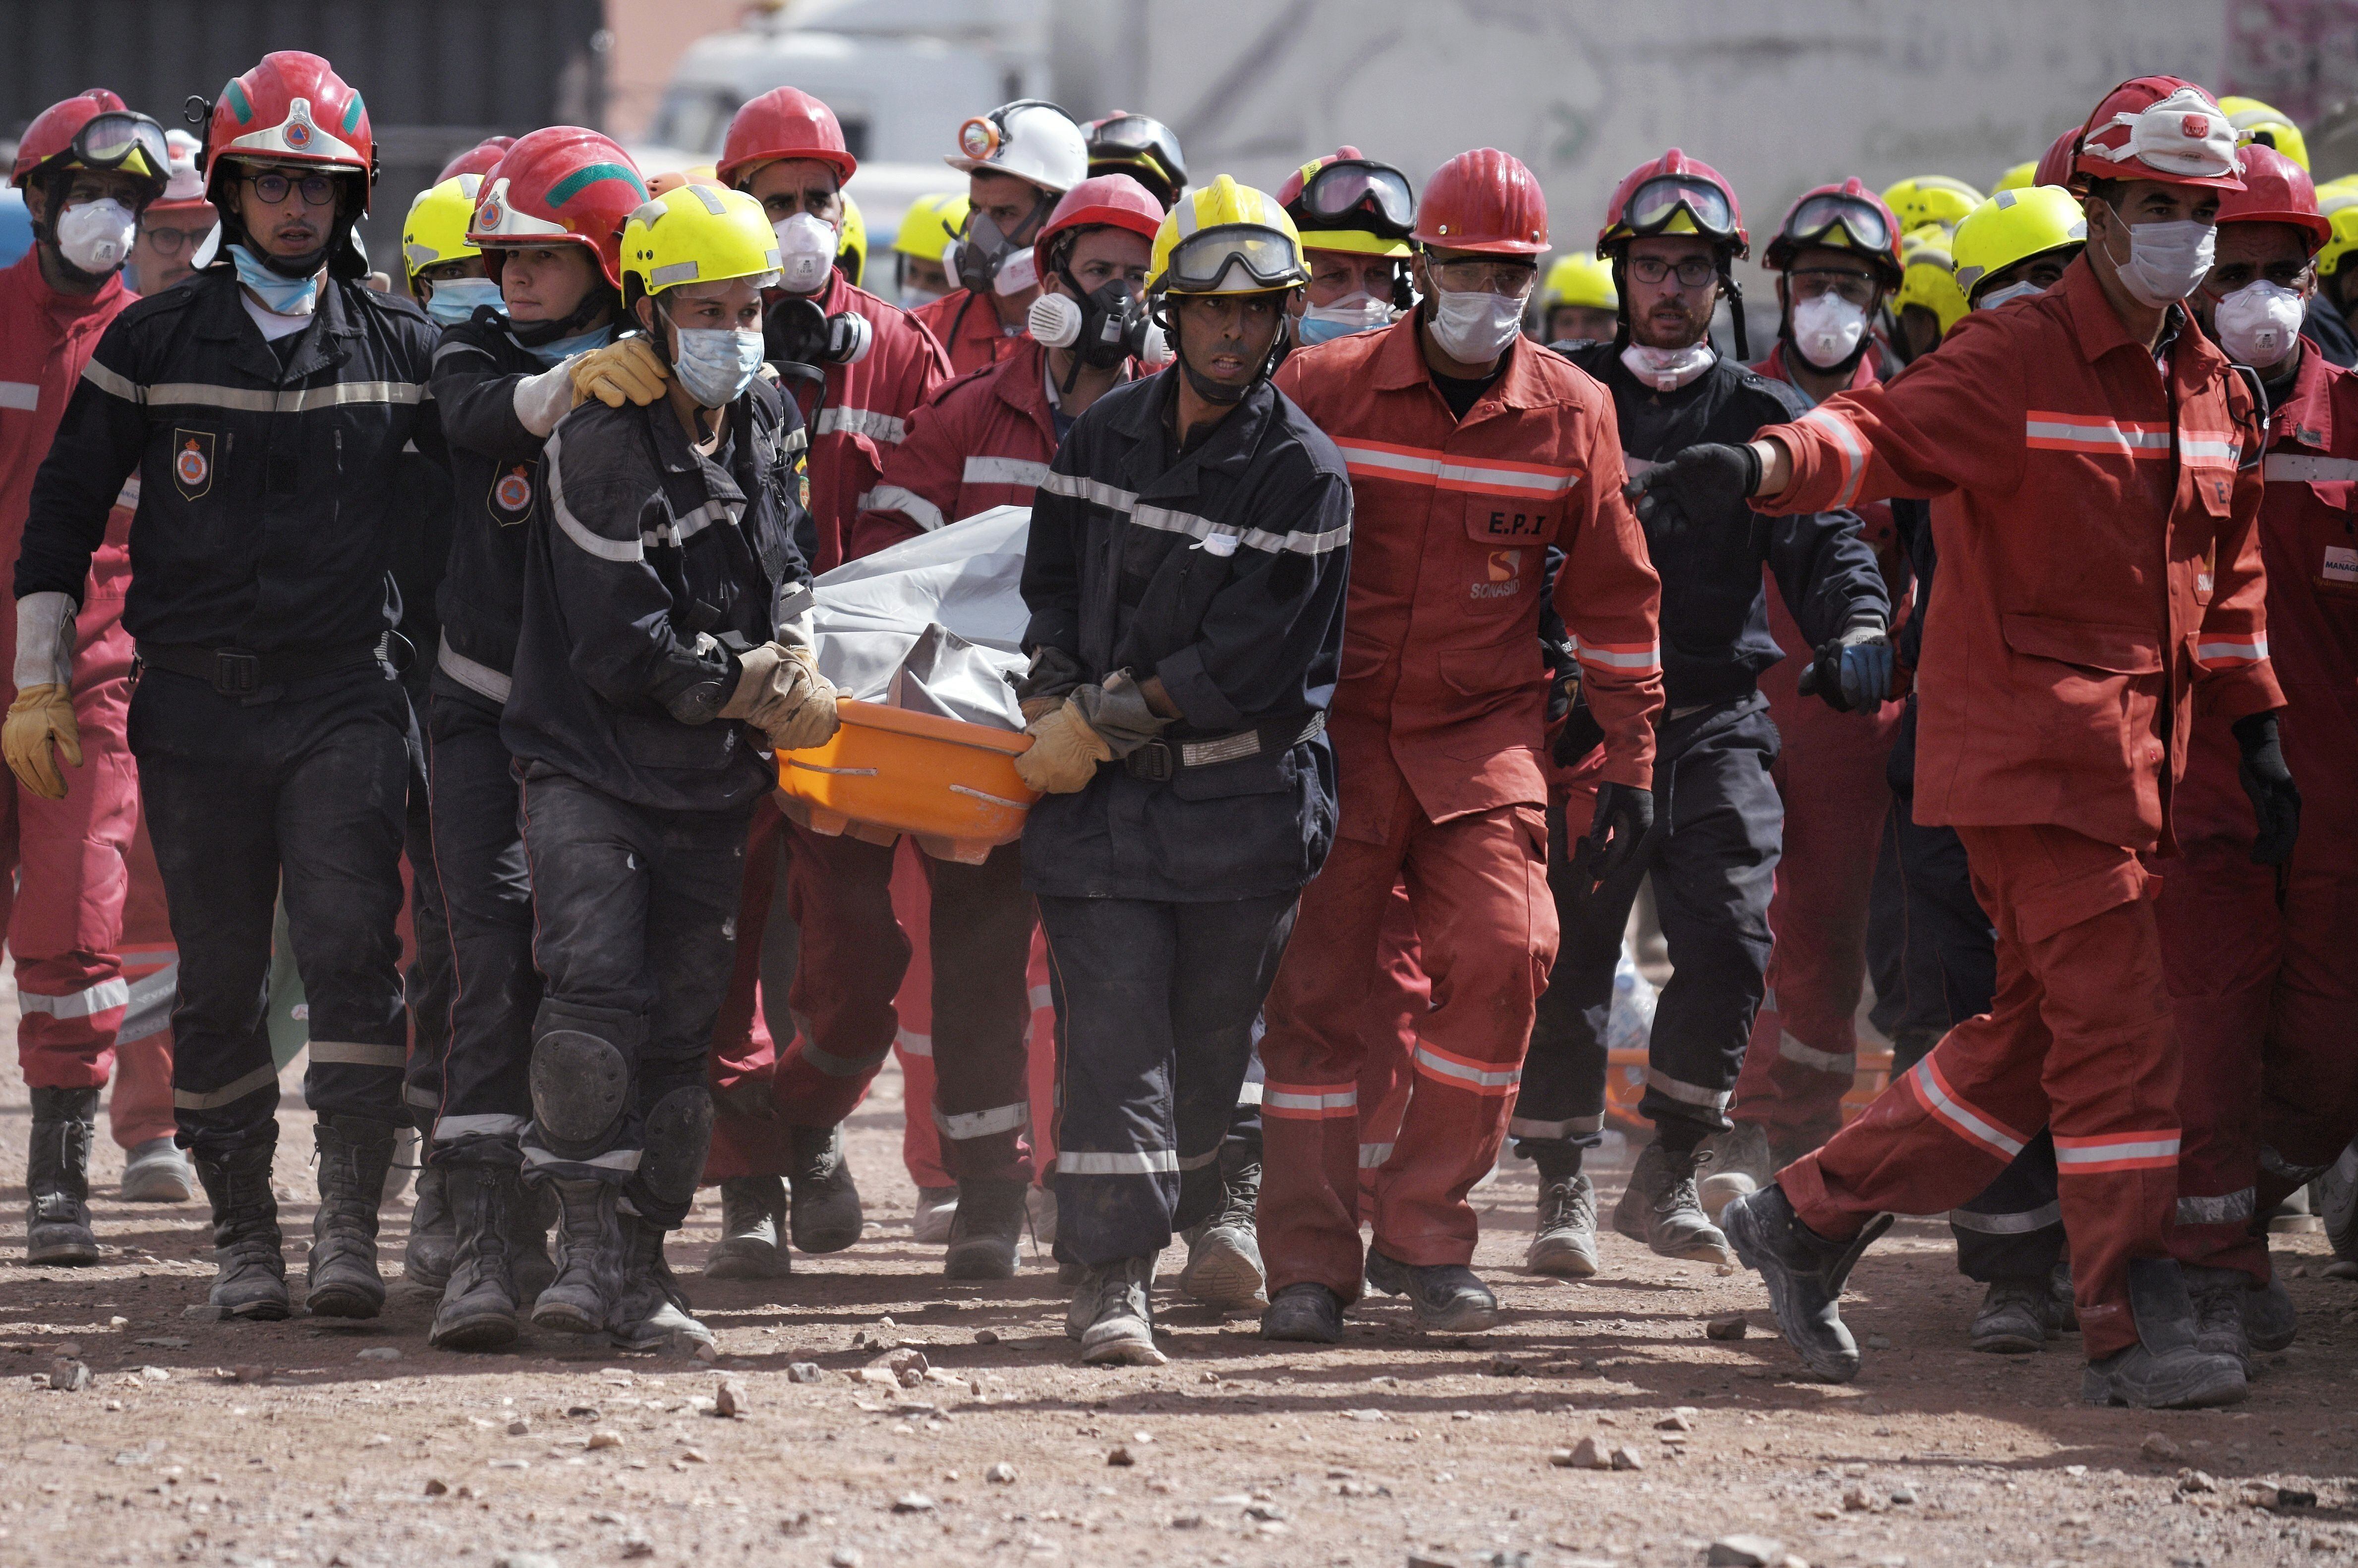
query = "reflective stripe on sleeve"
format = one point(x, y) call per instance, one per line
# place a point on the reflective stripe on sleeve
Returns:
point(2300, 468)
point(2219, 650)
point(907, 503)
point(108, 382)
point(100, 998)
point(1639, 658)
point(1005, 471)
point(2044, 431)
point(625, 550)
point(865, 422)
point(1074, 487)
point(1089, 1162)
point(1849, 445)
point(2210, 449)
point(2147, 1150)
point(21, 394)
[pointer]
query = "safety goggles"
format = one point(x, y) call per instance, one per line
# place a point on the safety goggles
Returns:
point(109, 140)
point(1135, 138)
point(1655, 205)
point(1360, 188)
point(1201, 263)
point(1813, 220)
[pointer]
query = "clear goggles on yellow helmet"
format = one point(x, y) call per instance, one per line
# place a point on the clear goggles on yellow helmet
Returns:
point(1203, 262)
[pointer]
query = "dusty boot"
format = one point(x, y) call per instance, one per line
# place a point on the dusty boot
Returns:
point(986, 1231)
point(405, 1162)
point(2218, 1298)
point(2167, 1368)
point(354, 1152)
point(580, 1299)
point(249, 1278)
point(825, 1215)
point(2014, 1317)
point(2270, 1320)
point(1113, 1314)
point(1224, 1266)
point(936, 1208)
point(433, 1234)
point(529, 1217)
point(1311, 1313)
point(1564, 1237)
point(479, 1303)
point(1040, 1202)
point(158, 1171)
point(651, 1313)
point(2062, 1310)
point(2337, 1204)
point(1804, 1273)
point(1740, 1163)
point(1662, 1208)
point(1447, 1298)
point(57, 1178)
point(753, 1222)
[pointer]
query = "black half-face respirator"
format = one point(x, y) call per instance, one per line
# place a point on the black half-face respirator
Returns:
point(987, 261)
point(796, 331)
point(1102, 328)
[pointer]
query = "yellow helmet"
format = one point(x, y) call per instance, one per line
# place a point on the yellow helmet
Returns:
point(436, 230)
point(2255, 121)
point(1927, 277)
point(2344, 241)
point(1225, 238)
point(927, 226)
point(695, 233)
point(2013, 226)
point(2021, 176)
point(851, 242)
point(1931, 198)
point(1580, 278)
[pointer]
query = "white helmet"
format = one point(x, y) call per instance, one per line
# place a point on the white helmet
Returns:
point(1030, 140)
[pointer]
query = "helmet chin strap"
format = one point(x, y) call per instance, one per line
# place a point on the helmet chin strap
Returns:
point(533, 334)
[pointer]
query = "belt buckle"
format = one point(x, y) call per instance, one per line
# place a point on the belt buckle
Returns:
point(1154, 762)
point(236, 673)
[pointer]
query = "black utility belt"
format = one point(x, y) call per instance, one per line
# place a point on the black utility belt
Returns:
point(1158, 761)
point(239, 672)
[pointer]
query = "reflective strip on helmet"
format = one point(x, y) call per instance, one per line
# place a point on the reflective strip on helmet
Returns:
point(1849, 445)
point(672, 272)
point(359, 1053)
point(1482, 1077)
point(1967, 1122)
point(1639, 658)
point(2221, 650)
point(1309, 1102)
point(1089, 1162)
point(2152, 1149)
point(591, 543)
point(865, 422)
point(1076, 487)
point(964, 1125)
point(2210, 449)
point(90, 999)
point(2078, 433)
point(2019, 1224)
point(228, 1094)
point(907, 503)
point(1662, 1083)
point(22, 395)
point(2298, 467)
point(1004, 470)
point(1843, 1063)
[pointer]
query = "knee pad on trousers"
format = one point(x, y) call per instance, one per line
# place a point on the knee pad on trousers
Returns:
point(581, 1075)
point(677, 1134)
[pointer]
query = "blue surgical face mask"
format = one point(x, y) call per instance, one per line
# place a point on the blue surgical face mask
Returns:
point(1356, 312)
point(715, 365)
point(279, 295)
point(566, 348)
point(457, 300)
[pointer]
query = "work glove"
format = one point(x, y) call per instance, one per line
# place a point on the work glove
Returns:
point(1625, 815)
point(2275, 802)
point(1064, 751)
point(1854, 671)
point(625, 370)
point(1581, 734)
point(42, 716)
point(781, 693)
point(1696, 482)
point(1052, 678)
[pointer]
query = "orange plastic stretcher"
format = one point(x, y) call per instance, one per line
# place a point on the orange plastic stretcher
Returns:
point(950, 785)
point(1625, 1085)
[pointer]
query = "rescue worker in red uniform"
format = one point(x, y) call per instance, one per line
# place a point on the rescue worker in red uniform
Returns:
point(87, 167)
point(2070, 443)
point(1471, 450)
point(857, 368)
point(1018, 159)
point(2262, 958)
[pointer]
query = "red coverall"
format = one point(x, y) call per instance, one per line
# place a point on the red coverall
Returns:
point(62, 877)
point(970, 331)
point(2264, 973)
point(1436, 725)
point(2099, 574)
point(1804, 1049)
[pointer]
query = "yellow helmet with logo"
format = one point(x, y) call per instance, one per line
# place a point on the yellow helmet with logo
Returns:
point(2345, 240)
point(1581, 278)
point(1929, 277)
point(2021, 176)
point(1225, 238)
point(436, 230)
point(927, 226)
point(1931, 198)
point(851, 242)
point(695, 233)
point(2255, 121)
point(2011, 227)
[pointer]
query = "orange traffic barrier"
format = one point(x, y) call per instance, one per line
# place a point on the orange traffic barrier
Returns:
point(950, 784)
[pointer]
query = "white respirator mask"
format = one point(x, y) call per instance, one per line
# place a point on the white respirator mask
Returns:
point(96, 235)
point(1827, 330)
point(1997, 297)
point(2166, 260)
point(1667, 370)
point(806, 246)
point(2259, 323)
point(1474, 326)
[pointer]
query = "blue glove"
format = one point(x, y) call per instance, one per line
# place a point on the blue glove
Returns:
point(1854, 671)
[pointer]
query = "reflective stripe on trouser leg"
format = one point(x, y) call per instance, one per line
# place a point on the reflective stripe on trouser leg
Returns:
point(1565, 1071)
point(2013, 1229)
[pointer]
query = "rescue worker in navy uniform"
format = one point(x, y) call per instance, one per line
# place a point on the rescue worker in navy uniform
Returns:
point(666, 644)
point(265, 404)
point(1187, 563)
point(1672, 232)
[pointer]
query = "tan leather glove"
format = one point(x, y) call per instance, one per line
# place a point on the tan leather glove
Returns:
point(623, 372)
point(803, 714)
point(1040, 706)
point(1064, 751)
point(41, 716)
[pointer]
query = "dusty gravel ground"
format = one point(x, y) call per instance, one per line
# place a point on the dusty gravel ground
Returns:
point(306, 1442)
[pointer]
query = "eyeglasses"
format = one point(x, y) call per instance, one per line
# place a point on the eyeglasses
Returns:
point(1510, 280)
point(166, 240)
point(1360, 188)
point(1653, 205)
point(1813, 220)
point(1858, 288)
point(318, 189)
point(1693, 271)
point(109, 141)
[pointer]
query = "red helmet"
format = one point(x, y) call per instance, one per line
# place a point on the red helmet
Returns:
point(2275, 190)
point(1845, 217)
point(481, 158)
point(784, 122)
point(2055, 163)
point(1486, 201)
point(93, 130)
point(560, 186)
point(1102, 200)
point(1674, 194)
point(292, 108)
point(2159, 127)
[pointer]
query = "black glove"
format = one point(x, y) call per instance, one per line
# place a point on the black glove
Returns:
point(1852, 671)
point(2275, 802)
point(1626, 813)
point(1698, 481)
point(1581, 734)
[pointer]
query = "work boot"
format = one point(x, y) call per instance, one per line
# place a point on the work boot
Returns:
point(354, 1152)
point(2270, 1320)
point(1740, 1163)
point(752, 1218)
point(1224, 1268)
point(2167, 1368)
point(1563, 1239)
point(2014, 1318)
point(1113, 1314)
point(2337, 1203)
point(825, 1215)
point(531, 1214)
point(433, 1233)
point(477, 1309)
point(2218, 1298)
point(249, 1276)
point(157, 1171)
point(651, 1311)
point(1662, 1208)
point(1804, 1273)
point(1311, 1313)
point(986, 1231)
point(936, 1208)
point(581, 1298)
point(57, 1178)
point(1447, 1298)
point(2062, 1310)
point(406, 1161)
